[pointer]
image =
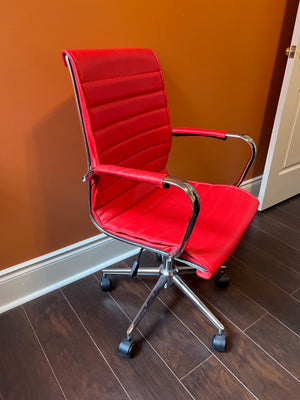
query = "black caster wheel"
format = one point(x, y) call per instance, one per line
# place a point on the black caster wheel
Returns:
point(159, 257)
point(126, 348)
point(105, 284)
point(222, 278)
point(219, 342)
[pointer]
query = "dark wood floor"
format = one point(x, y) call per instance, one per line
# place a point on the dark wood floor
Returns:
point(63, 345)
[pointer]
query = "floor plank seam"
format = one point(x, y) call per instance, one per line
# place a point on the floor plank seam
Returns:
point(277, 221)
point(253, 323)
point(276, 237)
point(196, 367)
point(285, 205)
point(238, 379)
point(44, 353)
point(266, 311)
point(264, 277)
point(274, 359)
point(172, 372)
point(95, 344)
point(294, 292)
point(264, 252)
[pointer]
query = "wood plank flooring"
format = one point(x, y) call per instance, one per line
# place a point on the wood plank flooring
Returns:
point(63, 344)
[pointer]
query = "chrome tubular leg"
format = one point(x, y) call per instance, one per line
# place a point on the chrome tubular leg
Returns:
point(148, 271)
point(198, 303)
point(154, 292)
point(126, 271)
point(115, 271)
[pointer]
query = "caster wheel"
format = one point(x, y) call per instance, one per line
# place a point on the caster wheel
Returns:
point(105, 284)
point(222, 279)
point(159, 257)
point(126, 348)
point(219, 342)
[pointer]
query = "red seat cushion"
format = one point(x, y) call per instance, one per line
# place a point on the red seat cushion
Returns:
point(158, 217)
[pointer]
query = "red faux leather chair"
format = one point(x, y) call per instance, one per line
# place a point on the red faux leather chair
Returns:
point(124, 115)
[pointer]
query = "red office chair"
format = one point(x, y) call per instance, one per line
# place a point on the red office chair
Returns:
point(124, 115)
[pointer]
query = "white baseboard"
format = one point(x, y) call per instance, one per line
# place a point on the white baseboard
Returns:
point(252, 185)
point(33, 278)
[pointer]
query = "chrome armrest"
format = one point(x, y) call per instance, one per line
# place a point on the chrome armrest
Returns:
point(192, 194)
point(252, 145)
point(162, 180)
point(183, 131)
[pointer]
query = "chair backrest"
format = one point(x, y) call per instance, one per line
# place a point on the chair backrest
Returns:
point(123, 107)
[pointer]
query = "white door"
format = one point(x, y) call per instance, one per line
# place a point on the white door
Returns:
point(281, 177)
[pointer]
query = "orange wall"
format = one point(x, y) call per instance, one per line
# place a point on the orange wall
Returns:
point(218, 59)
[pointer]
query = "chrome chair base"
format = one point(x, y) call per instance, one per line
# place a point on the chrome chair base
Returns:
point(167, 276)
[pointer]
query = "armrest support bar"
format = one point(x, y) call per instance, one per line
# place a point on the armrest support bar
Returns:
point(252, 145)
point(191, 192)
